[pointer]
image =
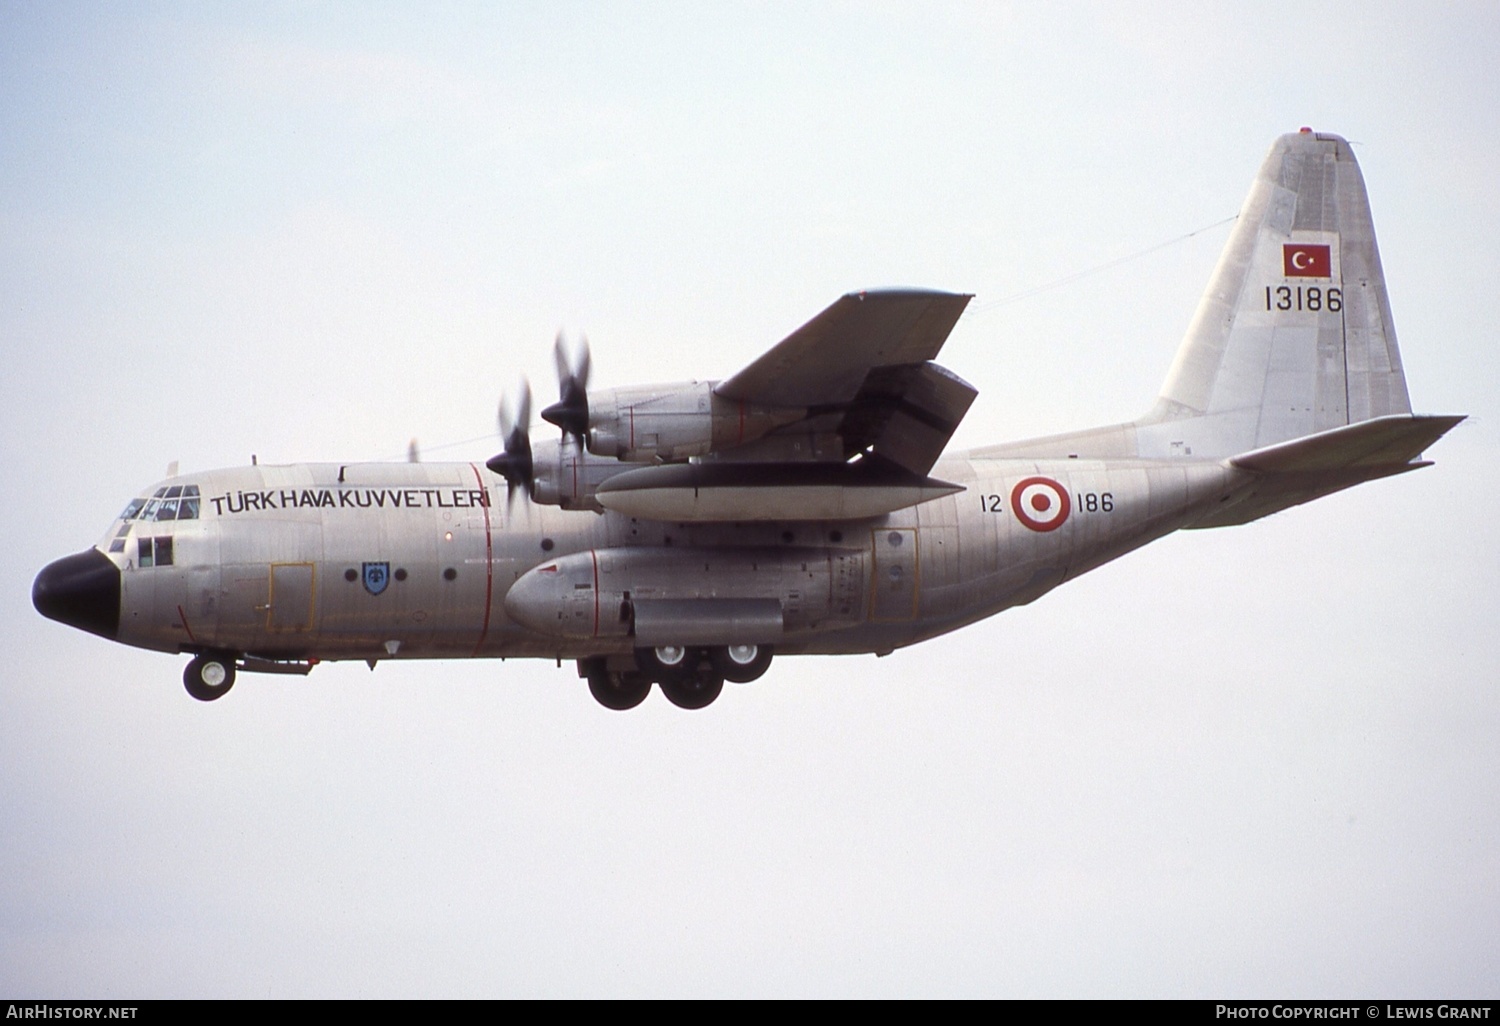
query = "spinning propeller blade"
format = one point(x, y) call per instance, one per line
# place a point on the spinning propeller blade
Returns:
point(571, 411)
point(514, 463)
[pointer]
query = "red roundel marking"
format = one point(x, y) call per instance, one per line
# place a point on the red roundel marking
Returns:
point(1040, 503)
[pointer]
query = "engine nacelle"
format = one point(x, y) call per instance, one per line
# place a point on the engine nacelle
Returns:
point(692, 596)
point(673, 422)
point(565, 475)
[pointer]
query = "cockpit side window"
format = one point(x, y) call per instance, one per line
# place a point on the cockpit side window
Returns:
point(153, 551)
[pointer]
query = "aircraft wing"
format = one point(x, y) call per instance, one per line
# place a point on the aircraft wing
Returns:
point(862, 368)
point(828, 359)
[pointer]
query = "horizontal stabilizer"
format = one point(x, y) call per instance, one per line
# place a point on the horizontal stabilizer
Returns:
point(1309, 468)
point(1384, 441)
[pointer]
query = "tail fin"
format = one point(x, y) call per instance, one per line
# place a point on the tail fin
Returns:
point(1293, 335)
point(1289, 368)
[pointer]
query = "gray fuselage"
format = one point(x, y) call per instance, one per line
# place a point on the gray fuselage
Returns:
point(418, 560)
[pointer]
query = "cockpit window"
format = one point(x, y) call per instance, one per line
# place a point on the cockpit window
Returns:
point(179, 502)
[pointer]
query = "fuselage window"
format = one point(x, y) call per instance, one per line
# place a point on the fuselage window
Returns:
point(154, 551)
point(133, 510)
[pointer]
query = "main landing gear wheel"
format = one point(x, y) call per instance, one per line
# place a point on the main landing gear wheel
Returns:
point(667, 662)
point(617, 689)
point(209, 676)
point(692, 692)
point(741, 663)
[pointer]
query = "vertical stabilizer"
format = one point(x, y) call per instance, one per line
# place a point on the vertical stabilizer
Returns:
point(1293, 335)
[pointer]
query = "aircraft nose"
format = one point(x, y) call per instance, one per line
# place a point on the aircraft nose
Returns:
point(82, 591)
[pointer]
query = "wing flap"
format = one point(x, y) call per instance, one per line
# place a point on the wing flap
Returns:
point(930, 407)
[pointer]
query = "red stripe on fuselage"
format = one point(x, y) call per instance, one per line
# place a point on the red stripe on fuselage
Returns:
point(183, 617)
point(489, 562)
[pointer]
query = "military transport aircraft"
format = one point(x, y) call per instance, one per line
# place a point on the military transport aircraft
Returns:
point(679, 534)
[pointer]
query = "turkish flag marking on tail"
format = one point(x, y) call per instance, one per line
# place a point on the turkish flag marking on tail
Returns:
point(1305, 260)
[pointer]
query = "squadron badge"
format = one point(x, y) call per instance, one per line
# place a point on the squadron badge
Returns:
point(376, 577)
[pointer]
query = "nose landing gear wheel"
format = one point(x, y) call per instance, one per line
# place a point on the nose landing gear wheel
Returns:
point(617, 689)
point(209, 676)
point(694, 692)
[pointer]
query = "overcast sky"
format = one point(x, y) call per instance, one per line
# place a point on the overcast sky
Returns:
point(1258, 761)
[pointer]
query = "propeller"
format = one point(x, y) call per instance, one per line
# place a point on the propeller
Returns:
point(514, 463)
point(571, 412)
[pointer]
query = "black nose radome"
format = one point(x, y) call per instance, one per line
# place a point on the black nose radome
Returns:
point(81, 591)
